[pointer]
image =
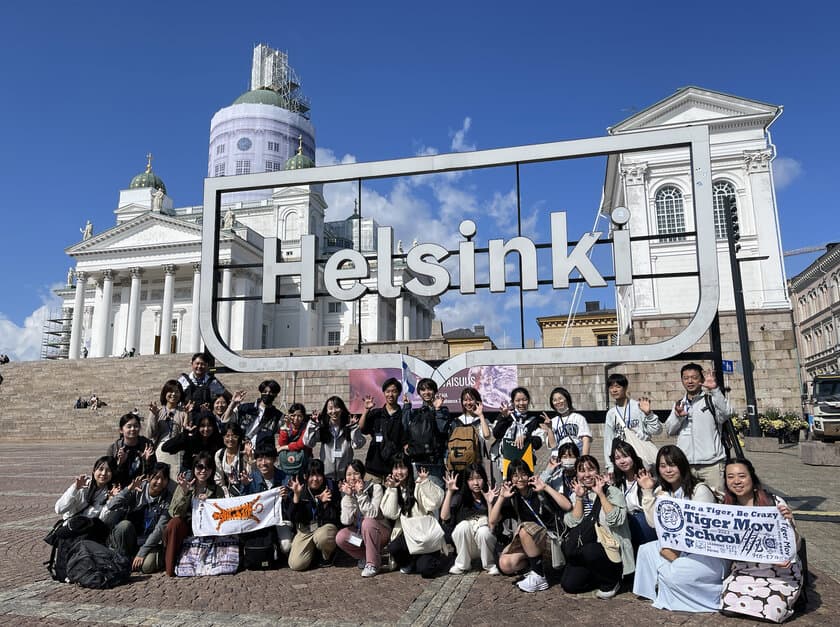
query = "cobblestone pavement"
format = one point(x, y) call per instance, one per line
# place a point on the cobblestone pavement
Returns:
point(32, 477)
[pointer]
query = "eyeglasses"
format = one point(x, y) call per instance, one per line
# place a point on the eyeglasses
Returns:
point(200, 467)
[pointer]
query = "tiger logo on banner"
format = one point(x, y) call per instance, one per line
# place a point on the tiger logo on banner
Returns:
point(239, 514)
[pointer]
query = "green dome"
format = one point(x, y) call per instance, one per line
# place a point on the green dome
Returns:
point(262, 96)
point(147, 179)
point(299, 162)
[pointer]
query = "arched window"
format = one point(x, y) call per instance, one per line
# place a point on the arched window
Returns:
point(720, 190)
point(670, 214)
point(291, 227)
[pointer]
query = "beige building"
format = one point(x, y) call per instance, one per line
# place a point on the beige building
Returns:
point(463, 340)
point(593, 327)
point(815, 294)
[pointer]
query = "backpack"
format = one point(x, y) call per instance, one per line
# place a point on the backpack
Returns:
point(259, 550)
point(292, 462)
point(63, 537)
point(422, 434)
point(198, 394)
point(94, 565)
point(463, 447)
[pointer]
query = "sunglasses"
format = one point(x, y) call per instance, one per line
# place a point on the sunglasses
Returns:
point(200, 467)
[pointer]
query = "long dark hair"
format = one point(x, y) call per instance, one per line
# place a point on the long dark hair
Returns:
point(92, 488)
point(760, 496)
point(343, 420)
point(619, 478)
point(465, 475)
point(674, 455)
point(406, 503)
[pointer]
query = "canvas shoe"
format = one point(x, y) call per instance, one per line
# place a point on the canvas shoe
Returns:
point(369, 571)
point(492, 571)
point(608, 594)
point(533, 583)
point(457, 570)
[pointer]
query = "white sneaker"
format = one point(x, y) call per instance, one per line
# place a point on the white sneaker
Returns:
point(533, 583)
point(492, 571)
point(369, 571)
point(608, 594)
point(457, 570)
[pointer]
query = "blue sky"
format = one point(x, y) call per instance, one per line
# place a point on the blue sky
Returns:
point(90, 88)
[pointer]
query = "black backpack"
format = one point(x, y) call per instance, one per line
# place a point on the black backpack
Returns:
point(65, 535)
point(259, 549)
point(422, 434)
point(198, 394)
point(94, 565)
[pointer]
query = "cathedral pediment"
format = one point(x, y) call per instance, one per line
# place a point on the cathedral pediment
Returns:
point(145, 231)
point(694, 104)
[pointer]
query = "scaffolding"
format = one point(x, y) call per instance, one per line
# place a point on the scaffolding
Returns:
point(271, 70)
point(55, 335)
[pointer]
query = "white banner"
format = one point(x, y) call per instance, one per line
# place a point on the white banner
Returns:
point(238, 514)
point(749, 534)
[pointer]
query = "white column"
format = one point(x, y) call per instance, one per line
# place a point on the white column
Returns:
point(166, 311)
point(407, 314)
point(133, 324)
point(102, 316)
point(398, 322)
point(78, 315)
point(224, 306)
point(195, 328)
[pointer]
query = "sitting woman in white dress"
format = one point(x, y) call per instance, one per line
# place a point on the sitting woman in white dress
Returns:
point(676, 581)
point(765, 591)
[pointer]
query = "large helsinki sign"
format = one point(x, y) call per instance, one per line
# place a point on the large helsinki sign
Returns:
point(341, 274)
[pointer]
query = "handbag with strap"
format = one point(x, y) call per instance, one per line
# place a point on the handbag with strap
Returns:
point(611, 545)
point(582, 534)
point(645, 449)
point(423, 534)
point(558, 559)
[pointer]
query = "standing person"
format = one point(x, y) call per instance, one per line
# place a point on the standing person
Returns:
point(466, 511)
point(293, 452)
point(366, 533)
point(385, 429)
point(590, 566)
point(685, 582)
point(567, 425)
point(627, 466)
point(425, 430)
point(696, 420)
point(199, 385)
point(234, 461)
point(134, 453)
point(518, 433)
point(201, 486)
point(222, 408)
point(138, 516)
point(167, 420)
point(532, 504)
point(627, 413)
point(338, 437)
point(202, 436)
point(764, 591)
point(315, 511)
point(468, 434)
point(261, 420)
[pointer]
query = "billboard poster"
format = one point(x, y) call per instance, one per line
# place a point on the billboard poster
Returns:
point(494, 383)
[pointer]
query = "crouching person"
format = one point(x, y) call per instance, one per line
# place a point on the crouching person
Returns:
point(139, 515)
point(201, 486)
point(314, 510)
point(266, 477)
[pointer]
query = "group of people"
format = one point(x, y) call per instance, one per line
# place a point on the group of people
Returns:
point(436, 491)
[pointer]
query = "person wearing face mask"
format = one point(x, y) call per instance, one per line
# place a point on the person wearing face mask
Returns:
point(560, 470)
point(261, 420)
point(138, 515)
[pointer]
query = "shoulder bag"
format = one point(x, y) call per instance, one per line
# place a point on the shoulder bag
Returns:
point(645, 449)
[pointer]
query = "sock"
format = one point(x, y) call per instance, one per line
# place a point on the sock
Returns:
point(537, 565)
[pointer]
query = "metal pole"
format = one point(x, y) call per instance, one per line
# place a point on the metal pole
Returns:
point(741, 319)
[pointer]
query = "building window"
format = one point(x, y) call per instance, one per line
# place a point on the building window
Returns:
point(720, 190)
point(333, 338)
point(291, 227)
point(220, 149)
point(243, 167)
point(219, 170)
point(670, 214)
point(335, 307)
point(274, 146)
point(273, 166)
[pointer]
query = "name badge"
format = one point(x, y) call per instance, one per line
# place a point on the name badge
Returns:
point(336, 453)
point(379, 437)
point(355, 540)
point(313, 527)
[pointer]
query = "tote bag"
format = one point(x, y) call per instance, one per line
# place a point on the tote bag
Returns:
point(208, 555)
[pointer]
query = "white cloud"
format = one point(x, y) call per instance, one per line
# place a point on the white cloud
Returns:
point(326, 156)
point(459, 137)
point(785, 171)
point(23, 343)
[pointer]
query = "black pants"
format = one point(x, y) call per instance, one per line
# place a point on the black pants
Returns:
point(593, 569)
point(426, 565)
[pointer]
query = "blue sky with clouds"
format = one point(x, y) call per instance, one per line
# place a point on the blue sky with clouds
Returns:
point(90, 88)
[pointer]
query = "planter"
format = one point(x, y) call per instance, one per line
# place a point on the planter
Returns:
point(761, 445)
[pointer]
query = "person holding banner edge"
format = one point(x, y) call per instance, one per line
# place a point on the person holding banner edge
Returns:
point(676, 581)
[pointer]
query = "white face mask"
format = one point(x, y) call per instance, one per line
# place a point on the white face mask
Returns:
point(568, 464)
